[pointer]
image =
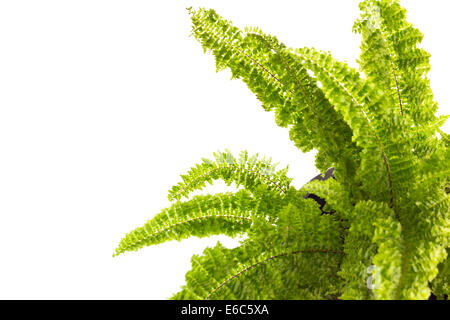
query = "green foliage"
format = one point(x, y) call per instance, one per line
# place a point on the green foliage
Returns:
point(246, 171)
point(387, 236)
point(201, 216)
point(274, 262)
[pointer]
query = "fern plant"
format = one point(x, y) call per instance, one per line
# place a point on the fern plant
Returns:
point(385, 233)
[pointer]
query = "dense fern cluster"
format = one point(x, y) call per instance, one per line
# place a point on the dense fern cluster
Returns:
point(377, 127)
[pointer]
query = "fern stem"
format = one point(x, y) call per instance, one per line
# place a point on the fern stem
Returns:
point(396, 84)
point(391, 203)
point(393, 71)
point(264, 262)
point(265, 69)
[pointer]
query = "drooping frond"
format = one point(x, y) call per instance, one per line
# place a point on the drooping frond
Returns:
point(247, 171)
point(245, 273)
point(274, 263)
point(202, 216)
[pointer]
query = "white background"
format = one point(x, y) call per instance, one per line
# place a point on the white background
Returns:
point(104, 103)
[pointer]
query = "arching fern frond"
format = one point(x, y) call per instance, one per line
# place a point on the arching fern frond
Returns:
point(247, 171)
point(218, 274)
point(232, 49)
point(280, 253)
point(202, 216)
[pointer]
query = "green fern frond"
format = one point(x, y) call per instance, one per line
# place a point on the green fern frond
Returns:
point(337, 196)
point(409, 63)
point(352, 97)
point(202, 216)
point(358, 254)
point(387, 236)
point(275, 254)
point(387, 233)
point(426, 241)
point(314, 113)
point(233, 50)
point(374, 236)
point(433, 171)
point(247, 171)
point(265, 270)
point(385, 142)
point(246, 273)
point(441, 284)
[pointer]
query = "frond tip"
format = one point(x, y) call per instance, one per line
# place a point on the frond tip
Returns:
point(202, 216)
